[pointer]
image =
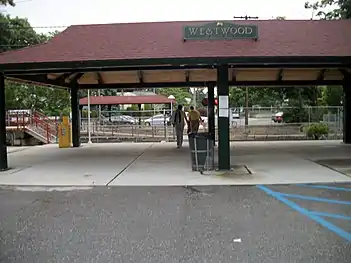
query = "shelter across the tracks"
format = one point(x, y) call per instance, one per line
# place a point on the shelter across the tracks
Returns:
point(122, 100)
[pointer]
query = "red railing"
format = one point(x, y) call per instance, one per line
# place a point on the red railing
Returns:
point(35, 121)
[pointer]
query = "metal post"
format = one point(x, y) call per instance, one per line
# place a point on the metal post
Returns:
point(89, 130)
point(139, 117)
point(210, 111)
point(165, 124)
point(99, 94)
point(246, 106)
point(3, 150)
point(109, 109)
point(347, 110)
point(75, 115)
point(194, 97)
point(171, 108)
point(223, 118)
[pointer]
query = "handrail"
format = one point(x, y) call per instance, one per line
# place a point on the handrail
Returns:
point(37, 121)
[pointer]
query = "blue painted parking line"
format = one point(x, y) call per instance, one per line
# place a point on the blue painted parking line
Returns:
point(327, 187)
point(317, 199)
point(337, 216)
point(281, 197)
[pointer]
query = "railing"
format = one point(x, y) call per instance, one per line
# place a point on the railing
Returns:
point(35, 122)
point(261, 125)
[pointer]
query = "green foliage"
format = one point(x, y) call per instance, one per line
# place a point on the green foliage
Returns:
point(331, 9)
point(280, 18)
point(133, 110)
point(96, 92)
point(17, 33)
point(93, 114)
point(332, 95)
point(147, 107)
point(7, 2)
point(295, 115)
point(48, 100)
point(317, 130)
point(262, 96)
point(134, 107)
point(179, 93)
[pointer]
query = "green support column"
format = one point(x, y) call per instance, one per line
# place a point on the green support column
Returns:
point(210, 111)
point(3, 150)
point(75, 115)
point(347, 109)
point(223, 118)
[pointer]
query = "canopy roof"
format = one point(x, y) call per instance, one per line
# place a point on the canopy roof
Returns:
point(143, 54)
point(132, 41)
point(116, 100)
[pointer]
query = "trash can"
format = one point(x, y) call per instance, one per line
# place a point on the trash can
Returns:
point(202, 151)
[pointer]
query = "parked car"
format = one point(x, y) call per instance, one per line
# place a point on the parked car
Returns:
point(119, 120)
point(278, 117)
point(132, 119)
point(235, 113)
point(157, 120)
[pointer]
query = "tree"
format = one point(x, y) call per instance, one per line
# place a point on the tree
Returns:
point(7, 2)
point(332, 95)
point(280, 18)
point(179, 93)
point(17, 33)
point(331, 9)
point(51, 101)
point(262, 96)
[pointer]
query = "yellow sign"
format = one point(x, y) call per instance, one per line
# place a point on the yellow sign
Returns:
point(64, 133)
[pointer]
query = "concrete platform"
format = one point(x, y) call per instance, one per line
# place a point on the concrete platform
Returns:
point(162, 164)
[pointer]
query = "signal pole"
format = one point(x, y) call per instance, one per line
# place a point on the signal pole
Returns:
point(246, 17)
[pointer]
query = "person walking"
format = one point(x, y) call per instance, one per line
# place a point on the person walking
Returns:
point(194, 120)
point(178, 121)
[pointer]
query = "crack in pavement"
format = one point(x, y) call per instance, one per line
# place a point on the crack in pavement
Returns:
point(128, 165)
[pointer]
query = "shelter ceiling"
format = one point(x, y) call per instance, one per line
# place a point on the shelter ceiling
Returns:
point(205, 75)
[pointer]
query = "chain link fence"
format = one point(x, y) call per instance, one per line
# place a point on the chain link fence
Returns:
point(263, 123)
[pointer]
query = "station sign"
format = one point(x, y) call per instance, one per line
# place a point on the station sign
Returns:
point(220, 31)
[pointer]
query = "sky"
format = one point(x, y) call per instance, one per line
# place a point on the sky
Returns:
point(46, 13)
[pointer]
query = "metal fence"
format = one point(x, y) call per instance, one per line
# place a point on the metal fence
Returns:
point(140, 126)
point(261, 124)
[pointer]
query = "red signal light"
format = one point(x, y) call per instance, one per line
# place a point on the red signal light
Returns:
point(204, 102)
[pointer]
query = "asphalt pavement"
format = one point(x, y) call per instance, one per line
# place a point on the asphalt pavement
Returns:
point(279, 224)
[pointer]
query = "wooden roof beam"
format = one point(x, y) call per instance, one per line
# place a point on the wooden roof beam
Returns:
point(187, 76)
point(321, 74)
point(76, 77)
point(280, 74)
point(99, 78)
point(64, 77)
point(40, 79)
point(202, 83)
point(233, 74)
point(345, 72)
point(140, 76)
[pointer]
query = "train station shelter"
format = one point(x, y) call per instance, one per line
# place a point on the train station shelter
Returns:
point(186, 54)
